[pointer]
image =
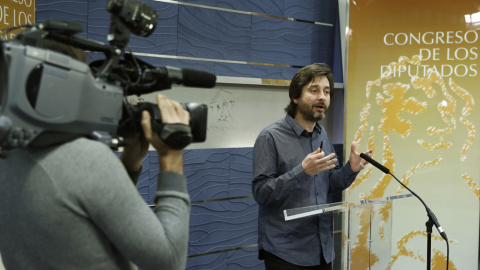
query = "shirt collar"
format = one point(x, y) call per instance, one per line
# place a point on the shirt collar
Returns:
point(299, 129)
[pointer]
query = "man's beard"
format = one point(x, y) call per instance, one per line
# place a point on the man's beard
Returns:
point(308, 111)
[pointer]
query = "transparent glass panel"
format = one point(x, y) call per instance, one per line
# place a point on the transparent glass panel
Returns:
point(301, 212)
point(361, 232)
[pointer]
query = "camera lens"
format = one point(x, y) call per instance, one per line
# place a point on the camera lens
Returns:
point(114, 6)
point(140, 19)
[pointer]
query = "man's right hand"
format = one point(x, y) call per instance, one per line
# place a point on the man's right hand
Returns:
point(316, 162)
point(172, 113)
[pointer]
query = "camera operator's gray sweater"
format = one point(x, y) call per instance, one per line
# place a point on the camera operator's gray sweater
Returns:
point(75, 207)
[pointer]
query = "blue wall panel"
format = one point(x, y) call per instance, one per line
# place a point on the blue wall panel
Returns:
point(219, 35)
point(337, 55)
point(322, 50)
point(72, 10)
point(208, 173)
point(272, 7)
point(321, 11)
point(231, 260)
point(221, 225)
point(214, 34)
point(254, 71)
point(211, 174)
point(216, 261)
point(280, 41)
point(218, 173)
point(241, 172)
point(308, 10)
point(224, 214)
point(98, 21)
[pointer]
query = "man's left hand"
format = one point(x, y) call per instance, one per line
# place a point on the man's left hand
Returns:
point(356, 162)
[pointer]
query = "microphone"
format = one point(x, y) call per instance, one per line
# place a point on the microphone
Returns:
point(141, 77)
point(56, 25)
point(374, 163)
point(160, 78)
point(429, 212)
point(188, 77)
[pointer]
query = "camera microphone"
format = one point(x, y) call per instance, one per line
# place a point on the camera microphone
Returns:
point(160, 78)
point(186, 77)
point(198, 78)
point(56, 25)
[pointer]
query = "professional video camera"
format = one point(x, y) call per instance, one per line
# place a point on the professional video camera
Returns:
point(47, 97)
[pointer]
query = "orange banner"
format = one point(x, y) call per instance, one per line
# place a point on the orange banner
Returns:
point(15, 13)
point(413, 76)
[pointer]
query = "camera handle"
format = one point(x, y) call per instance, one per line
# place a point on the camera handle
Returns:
point(177, 136)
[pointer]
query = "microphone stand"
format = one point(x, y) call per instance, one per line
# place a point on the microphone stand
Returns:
point(432, 219)
point(429, 225)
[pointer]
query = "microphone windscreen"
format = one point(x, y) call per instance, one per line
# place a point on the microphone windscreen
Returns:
point(374, 163)
point(197, 78)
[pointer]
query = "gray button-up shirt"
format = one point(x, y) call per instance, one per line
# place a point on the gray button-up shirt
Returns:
point(280, 183)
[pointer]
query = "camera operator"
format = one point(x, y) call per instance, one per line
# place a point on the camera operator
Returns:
point(73, 205)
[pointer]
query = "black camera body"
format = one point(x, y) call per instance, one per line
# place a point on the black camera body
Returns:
point(140, 19)
point(47, 97)
point(178, 139)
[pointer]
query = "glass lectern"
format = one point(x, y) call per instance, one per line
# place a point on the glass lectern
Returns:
point(361, 232)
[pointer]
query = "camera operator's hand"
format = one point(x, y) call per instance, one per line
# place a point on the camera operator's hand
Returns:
point(133, 154)
point(172, 112)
